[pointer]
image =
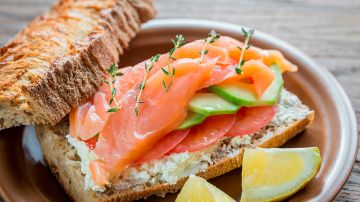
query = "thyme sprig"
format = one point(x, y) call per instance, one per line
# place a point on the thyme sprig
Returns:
point(247, 35)
point(113, 72)
point(148, 68)
point(211, 38)
point(180, 40)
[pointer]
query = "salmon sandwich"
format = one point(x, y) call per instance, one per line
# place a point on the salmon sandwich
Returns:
point(122, 134)
point(190, 111)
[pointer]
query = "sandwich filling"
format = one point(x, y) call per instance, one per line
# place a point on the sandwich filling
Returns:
point(173, 167)
point(187, 101)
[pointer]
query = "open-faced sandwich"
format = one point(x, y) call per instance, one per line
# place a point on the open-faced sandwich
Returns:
point(190, 111)
point(138, 131)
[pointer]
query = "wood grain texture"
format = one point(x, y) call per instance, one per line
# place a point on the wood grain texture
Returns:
point(328, 31)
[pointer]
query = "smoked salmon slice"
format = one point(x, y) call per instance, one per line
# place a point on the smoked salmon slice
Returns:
point(89, 119)
point(93, 124)
point(126, 137)
point(163, 146)
point(99, 172)
point(271, 57)
point(193, 50)
point(220, 73)
point(76, 118)
point(232, 45)
point(256, 74)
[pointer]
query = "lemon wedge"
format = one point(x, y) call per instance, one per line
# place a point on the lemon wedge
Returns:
point(197, 189)
point(275, 174)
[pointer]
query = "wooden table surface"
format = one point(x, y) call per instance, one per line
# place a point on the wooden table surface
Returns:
point(328, 31)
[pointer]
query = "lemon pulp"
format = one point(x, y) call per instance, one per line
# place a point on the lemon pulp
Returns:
point(275, 174)
point(197, 189)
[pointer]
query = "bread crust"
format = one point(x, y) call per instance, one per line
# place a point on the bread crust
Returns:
point(44, 77)
point(64, 163)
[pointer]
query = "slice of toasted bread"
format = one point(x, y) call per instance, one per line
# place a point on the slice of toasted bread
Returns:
point(59, 59)
point(159, 177)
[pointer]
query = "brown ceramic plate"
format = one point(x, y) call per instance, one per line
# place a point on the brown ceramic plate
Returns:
point(24, 177)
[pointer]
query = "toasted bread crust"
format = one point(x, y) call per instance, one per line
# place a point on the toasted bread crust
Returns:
point(69, 174)
point(44, 77)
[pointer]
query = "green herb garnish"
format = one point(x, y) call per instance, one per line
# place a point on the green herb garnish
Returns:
point(180, 40)
point(211, 38)
point(247, 35)
point(148, 68)
point(113, 72)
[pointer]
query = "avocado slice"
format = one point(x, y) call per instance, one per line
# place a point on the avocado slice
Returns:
point(191, 119)
point(237, 93)
point(227, 99)
point(209, 104)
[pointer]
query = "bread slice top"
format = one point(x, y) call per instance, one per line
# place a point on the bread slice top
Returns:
point(69, 158)
point(59, 59)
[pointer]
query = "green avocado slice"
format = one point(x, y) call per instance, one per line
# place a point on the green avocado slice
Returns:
point(191, 119)
point(237, 94)
point(209, 104)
